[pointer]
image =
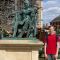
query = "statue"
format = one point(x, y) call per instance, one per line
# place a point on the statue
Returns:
point(25, 22)
point(17, 20)
point(1, 34)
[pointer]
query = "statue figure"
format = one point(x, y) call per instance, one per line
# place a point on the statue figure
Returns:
point(25, 22)
point(32, 28)
point(17, 20)
point(31, 16)
point(27, 16)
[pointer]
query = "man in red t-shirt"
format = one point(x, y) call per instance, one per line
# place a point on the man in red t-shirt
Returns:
point(51, 45)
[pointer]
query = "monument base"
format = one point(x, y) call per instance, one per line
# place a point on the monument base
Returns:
point(19, 49)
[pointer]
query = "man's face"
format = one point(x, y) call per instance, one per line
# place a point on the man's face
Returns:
point(51, 29)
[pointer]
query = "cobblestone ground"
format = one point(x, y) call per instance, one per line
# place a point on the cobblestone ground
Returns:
point(44, 59)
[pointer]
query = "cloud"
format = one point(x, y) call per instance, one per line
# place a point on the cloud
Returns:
point(49, 4)
point(57, 9)
point(51, 9)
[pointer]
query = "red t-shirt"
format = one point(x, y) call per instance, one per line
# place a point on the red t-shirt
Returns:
point(51, 44)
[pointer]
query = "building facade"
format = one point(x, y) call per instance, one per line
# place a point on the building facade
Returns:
point(56, 22)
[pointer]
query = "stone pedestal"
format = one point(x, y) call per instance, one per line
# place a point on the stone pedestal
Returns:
point(19, 49)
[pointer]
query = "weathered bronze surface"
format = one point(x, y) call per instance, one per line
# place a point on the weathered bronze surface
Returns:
point(24, 22)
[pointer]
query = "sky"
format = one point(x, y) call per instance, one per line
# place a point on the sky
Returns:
point(51, 9)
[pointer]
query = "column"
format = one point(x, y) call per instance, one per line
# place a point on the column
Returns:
point(16, 8)
point(15, 5)
point(39, 5)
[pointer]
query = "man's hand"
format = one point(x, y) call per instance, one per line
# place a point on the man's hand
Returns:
point(46, 56)
point(56, 56)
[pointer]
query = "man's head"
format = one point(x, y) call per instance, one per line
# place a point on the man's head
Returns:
point(51, 28)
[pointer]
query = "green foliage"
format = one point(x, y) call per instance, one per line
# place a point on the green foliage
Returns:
point(58, 31)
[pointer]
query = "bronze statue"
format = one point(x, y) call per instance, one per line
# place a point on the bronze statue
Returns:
point(25, 22)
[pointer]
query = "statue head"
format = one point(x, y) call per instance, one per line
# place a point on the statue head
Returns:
point(27, 3)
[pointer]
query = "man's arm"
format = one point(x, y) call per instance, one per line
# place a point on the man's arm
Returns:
point(45, 45)
point(57, 50)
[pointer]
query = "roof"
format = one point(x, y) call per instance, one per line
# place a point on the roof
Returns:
point(57, 19)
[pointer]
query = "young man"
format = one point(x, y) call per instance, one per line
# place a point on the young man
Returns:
point(51, 45)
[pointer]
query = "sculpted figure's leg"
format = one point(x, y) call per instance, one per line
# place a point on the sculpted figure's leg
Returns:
point(21, 34)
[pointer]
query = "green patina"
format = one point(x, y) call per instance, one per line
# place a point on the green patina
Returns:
point(31, 39)
point(25, 21)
